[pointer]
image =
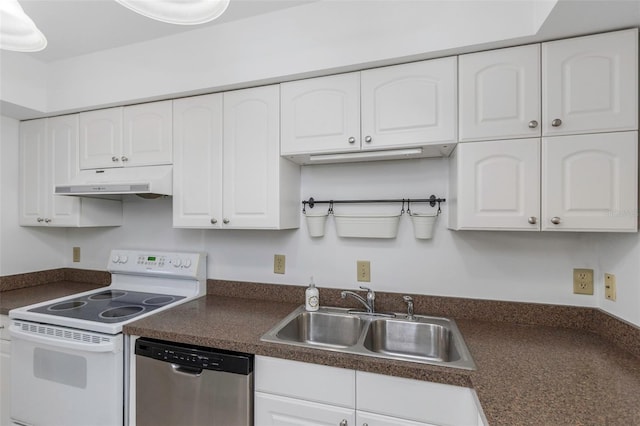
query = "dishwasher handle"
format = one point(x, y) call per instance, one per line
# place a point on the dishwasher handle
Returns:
point(187, 371)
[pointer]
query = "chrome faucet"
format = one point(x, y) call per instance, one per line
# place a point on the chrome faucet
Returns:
point(369, 303)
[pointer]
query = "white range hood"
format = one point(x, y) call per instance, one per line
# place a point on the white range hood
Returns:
point(147, 180)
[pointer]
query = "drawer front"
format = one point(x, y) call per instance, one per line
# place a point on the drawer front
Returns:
point(311, 382)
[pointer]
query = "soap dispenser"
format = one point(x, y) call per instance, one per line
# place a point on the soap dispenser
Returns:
point(312, 297)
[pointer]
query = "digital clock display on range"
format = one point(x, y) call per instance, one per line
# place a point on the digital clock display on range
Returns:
point(151, 258)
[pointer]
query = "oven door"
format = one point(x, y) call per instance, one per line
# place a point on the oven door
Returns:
point(63, 376)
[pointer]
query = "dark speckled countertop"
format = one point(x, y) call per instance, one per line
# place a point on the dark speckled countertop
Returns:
point(527, 375)
point(543, 365)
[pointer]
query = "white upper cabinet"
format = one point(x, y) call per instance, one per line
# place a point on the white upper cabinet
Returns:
point(500, 94)
point(409, 105)
point(261, 189)
point(496, 185)
point(321, 115)
point(101, 138)
point(138, 135)
point(589, 182)
point(49, 156)
point(197, 168)
point(590, 84)
point(571, 183)
point(228, 173)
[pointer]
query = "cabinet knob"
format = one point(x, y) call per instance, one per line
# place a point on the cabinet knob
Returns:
point(225, 220)
point(555, 220)
point(47, 220)
point(533, 124)
point(368, 139)
point(40, 219)
point(352, 140)
point(556, 123)
point(115, 159)
point(533, 220)
point(124, 158)
point(214, 220)
point(344, 422)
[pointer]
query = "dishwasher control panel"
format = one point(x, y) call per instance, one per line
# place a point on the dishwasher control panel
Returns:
point(196, 357)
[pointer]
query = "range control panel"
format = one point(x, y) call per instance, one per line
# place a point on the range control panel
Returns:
point(179, 264)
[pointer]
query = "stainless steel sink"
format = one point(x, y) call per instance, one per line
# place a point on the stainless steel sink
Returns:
point(322, 329)
point(423, 339)
point(411, 339)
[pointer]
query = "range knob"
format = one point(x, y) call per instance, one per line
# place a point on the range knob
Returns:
point(124, 259)
point(186, 263)
point(176, 262)
point(115, 258)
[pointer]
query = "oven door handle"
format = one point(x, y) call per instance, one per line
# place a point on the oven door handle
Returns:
point(107, 345)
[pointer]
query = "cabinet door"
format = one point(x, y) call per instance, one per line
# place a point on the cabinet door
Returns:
point(197, 169)
point(251, 157)
point(410, 104)
point(101, 138)
point(498, 185)
point(62, 159)
point(370, 419)
point(590, 84)
point(5, 381)
point(500, 94)
point(321, 115)
point(590, 182)
point(272, 410)
point(33, 174)
point(148, 138)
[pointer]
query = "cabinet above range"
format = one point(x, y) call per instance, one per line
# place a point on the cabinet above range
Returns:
point(137, 135)
point(401, 111)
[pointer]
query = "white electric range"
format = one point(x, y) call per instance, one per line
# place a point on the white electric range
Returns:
point(69, 354)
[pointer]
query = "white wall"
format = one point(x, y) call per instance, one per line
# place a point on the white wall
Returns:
point(22, 249)
point(317, 37)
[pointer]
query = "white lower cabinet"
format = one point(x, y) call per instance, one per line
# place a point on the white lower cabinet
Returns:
point(5, 369)
point(292, 393)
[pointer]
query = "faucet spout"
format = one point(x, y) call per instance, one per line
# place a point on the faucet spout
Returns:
point(368, 302)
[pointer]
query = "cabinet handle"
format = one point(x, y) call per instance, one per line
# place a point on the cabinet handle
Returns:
point(115, 159)
point(533, 124)
point(124, 158)
point(352, 140)
point(40, 219)
point(225, 220)
point(47, 220)
point(532, 220)
point(344, 422)
point(555, 220)
point(214, 221)
point(556, 123)
point(368, 139)
point(365, 424)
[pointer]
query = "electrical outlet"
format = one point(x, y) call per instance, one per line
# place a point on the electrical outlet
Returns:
point(76, 254)
point(610, 287)
point(278, 263)
point(364, 271)
point(583, 281)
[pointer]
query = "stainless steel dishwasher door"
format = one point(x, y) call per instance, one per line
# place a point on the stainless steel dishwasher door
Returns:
point(171, 394)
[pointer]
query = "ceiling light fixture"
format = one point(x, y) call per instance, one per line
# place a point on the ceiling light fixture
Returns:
point(17, 31)
point(181, 12)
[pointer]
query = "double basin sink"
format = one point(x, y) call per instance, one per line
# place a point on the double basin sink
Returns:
point(423, 339)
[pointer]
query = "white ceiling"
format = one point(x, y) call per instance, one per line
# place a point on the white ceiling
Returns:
point(77, 27)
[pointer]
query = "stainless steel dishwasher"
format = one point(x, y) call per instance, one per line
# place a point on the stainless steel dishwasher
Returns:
point(192, 386)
